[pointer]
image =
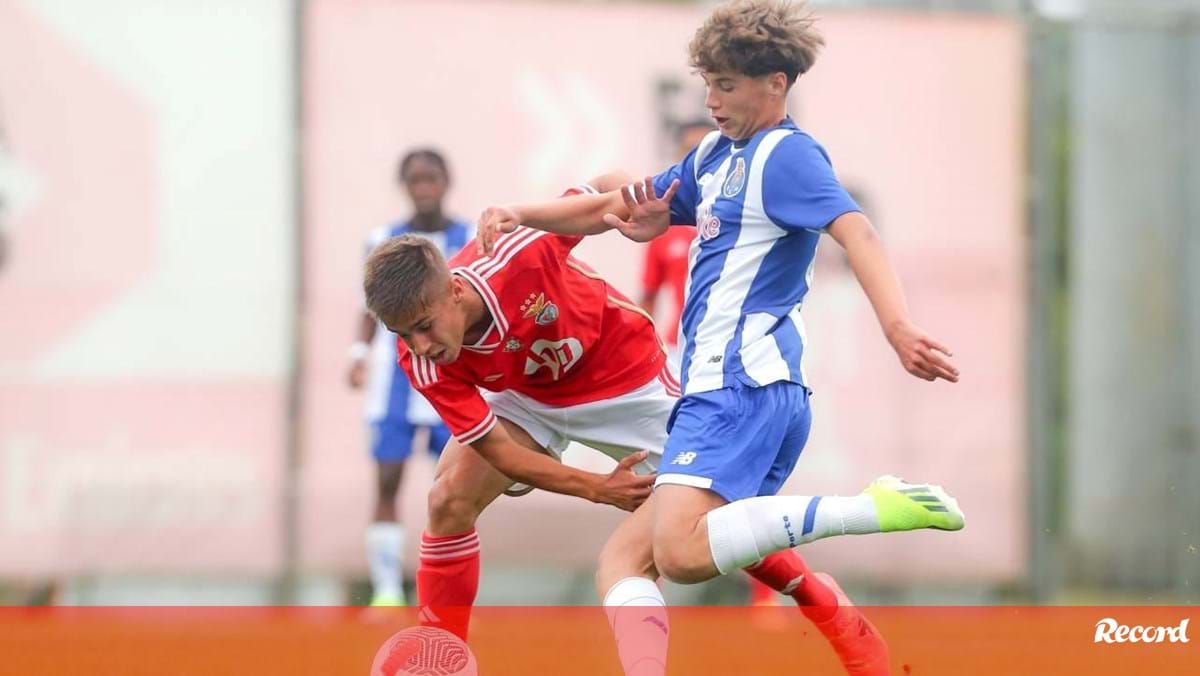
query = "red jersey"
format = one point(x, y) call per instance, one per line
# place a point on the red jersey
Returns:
point(560, 335)
point(667, 263)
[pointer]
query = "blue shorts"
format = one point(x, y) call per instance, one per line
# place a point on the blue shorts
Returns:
point(738, 442)
point(392, 439)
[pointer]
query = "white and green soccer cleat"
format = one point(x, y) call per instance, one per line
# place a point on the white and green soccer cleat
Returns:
point(904, 506)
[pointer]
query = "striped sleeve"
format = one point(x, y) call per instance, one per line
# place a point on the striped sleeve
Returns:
point(457, 401)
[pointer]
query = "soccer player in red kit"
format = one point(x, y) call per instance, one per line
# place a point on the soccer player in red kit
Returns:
point(520, 353)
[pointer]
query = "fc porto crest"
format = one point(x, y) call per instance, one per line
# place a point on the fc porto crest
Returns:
point(736, 180)
point(540, 310)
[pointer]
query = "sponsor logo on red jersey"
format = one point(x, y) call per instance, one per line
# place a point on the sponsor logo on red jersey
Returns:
point(557, 355)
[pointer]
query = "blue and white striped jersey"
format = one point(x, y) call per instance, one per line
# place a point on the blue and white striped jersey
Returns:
point(759, 207)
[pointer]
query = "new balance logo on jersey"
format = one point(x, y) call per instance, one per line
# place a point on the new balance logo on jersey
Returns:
point(557, 355)
point(684, 458)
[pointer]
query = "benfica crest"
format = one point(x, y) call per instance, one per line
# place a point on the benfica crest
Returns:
point(540, 310)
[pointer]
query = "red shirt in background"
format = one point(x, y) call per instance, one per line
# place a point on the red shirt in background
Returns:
point(666, 262)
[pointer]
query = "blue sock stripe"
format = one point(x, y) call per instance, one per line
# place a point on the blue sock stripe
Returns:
point(810, 515)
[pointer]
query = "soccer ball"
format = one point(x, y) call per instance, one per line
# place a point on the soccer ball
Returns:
point(424, 651)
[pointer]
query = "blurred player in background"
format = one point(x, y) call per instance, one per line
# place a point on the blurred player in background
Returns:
point(666, 264)
point(395, 411)
point(760, 193)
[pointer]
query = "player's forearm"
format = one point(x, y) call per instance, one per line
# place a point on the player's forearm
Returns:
point(540, 471)
point(573, 215)
point(873, 268)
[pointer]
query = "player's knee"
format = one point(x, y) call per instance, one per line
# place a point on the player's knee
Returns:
point(450, 509)
point(679, 563)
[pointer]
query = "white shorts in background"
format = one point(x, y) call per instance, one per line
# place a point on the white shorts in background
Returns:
point(616, 427)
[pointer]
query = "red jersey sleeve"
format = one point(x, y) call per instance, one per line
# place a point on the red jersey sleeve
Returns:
point(457, 401)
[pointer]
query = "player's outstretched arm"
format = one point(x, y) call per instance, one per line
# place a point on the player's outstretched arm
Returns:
point(571, 215)
point(921, 355)
point(621, 488)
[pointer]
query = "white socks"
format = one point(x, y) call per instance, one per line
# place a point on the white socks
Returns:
point(385, 549)
point(742, 533)
point(637, 614)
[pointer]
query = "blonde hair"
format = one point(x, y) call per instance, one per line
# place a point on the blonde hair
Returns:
point(756, 38)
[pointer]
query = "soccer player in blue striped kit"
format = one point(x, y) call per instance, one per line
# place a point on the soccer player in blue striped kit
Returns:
point(761, 192)
point(394, 410)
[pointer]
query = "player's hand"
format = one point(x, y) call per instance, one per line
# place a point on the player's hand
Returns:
point(649, 215)
point(920, 354)
point(357, 375)
point(493, 222)
point(623, 488)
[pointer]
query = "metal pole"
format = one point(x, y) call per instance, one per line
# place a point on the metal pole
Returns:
point(286, 592)
point(1048, 203)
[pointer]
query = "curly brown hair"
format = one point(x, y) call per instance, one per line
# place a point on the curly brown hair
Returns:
point(401, 276)
point(756, 38)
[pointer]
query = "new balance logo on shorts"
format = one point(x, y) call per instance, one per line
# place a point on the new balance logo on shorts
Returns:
point(684, 458)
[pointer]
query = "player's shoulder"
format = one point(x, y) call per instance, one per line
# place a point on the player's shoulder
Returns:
point(517, 254)
point(795, 145)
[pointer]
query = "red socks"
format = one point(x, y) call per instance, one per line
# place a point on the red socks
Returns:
point(447, 581)
point(786, 572)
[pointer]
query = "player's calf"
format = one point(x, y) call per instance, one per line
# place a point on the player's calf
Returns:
point(628, 552)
